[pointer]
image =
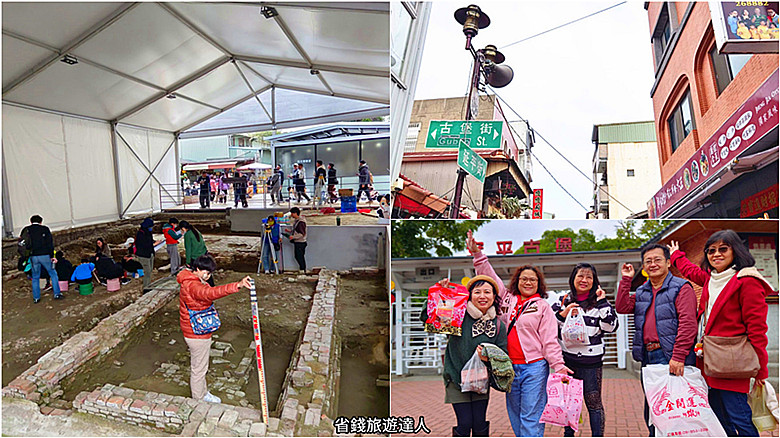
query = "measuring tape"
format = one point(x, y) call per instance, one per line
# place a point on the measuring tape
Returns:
point(258, 350)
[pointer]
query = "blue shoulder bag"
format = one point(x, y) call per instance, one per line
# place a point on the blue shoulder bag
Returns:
point(204, 321)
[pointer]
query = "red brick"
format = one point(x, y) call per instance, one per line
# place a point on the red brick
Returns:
point(115, 401)
point(139, 406)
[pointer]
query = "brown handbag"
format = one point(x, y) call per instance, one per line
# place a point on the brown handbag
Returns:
point(729, 357)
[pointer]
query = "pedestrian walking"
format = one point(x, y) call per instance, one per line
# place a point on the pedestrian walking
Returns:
point(275, 185)
point(299, 183)
point(297, 234)
point(172, 244)
point(664, 309)
point(144, 250)
point(239, 191)
point(364, 179)
point(333, 181)
point(480, 325)
point(196, 295)
point(733, 305)
point(204, 182)
point(586, 297)
point(532, 340)
point(37, 242)
point(320, 178)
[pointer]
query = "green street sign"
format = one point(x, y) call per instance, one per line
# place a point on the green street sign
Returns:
point(472, 163)
point(477, 134)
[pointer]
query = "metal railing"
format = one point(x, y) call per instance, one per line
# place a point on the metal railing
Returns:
point(173, 196)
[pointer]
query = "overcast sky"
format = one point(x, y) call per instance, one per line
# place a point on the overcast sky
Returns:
point(519, 231)
point(598, 70)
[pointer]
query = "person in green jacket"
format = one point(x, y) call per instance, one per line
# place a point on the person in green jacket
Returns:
point(480, 325)
point(194, 245)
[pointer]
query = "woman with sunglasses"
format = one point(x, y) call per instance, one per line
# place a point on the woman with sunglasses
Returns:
point(733, 302)
point(532, 341)
point(587, 297)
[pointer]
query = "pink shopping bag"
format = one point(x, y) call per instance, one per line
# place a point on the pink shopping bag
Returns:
point(564, 401)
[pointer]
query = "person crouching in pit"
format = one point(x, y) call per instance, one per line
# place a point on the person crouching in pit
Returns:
point(195, 297)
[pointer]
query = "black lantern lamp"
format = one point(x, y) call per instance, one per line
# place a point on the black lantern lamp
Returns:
point(473, 19)
point(496, 75)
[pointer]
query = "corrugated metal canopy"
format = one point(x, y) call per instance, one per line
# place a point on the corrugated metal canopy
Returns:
point(201, 68)
point(624, 132)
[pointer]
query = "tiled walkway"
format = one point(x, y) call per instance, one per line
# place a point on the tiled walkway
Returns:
point(622, 398)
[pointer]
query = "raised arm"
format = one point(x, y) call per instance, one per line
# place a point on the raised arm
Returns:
point(482, 265)
point(688, 270)
point(624, 303)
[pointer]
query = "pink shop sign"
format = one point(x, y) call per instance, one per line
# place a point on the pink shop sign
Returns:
point(756, 117)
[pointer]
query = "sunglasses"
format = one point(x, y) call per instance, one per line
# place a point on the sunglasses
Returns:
point(721, 249)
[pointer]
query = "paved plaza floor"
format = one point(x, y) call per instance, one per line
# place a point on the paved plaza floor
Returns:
point(424, 395)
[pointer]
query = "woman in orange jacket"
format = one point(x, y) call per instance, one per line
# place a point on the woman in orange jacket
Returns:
point(197, 295)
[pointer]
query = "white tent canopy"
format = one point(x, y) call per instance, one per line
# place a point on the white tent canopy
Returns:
point(145, 74)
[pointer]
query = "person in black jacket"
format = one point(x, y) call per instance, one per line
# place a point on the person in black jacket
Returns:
point(144, 250)
point(332, 182)
point(64, 267)
point(205, 190)
point(107, 269)
point(38, 241)
point(239, 191)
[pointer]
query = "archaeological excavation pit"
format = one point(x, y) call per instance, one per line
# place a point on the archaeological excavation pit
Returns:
point(321, 334)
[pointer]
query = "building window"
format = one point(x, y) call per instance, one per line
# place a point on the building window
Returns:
point(726, 67)
point(402, 15)
point(630, 172)
point(662, 34)
point(411, 137)
point(681, 121)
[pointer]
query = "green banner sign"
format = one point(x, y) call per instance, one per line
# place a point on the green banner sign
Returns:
point(476, 134)
point(472, 163)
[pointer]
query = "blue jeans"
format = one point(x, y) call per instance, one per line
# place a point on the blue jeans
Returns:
point(43, 261)
point(268, 263)
point(526, 401)
point(733, 412)
point(651, 358)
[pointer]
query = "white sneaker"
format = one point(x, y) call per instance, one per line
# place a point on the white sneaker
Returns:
point(211, 398)
point(267, 271)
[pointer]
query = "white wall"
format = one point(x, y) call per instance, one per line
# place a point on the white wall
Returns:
point(634, 191)
point(62, 168)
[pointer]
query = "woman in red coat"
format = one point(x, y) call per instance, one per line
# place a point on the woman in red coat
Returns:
point(196, 294)
point(733, 303)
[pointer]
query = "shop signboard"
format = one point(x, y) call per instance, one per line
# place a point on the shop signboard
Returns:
point(745, 27)
point(476, 134)
point(762, 201)
point(536, 212)
point(757, 116)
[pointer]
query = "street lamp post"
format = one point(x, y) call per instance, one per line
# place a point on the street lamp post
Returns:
point(472, 18)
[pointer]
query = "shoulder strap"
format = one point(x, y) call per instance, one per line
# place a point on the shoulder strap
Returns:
point(514, 320)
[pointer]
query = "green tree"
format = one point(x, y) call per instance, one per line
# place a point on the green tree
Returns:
point(413, 238)
point(626, 237)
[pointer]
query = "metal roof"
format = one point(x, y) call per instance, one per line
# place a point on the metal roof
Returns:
point(632, 132)
point(205, 68)
point(332, 130)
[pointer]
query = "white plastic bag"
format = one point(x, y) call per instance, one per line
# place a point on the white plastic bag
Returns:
point(573, 330)
point(474, 376)
point(678, 404)
point(759, 400)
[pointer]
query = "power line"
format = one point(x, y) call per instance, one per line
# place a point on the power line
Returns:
point(562, 25)
point(540, 161)
point(553, 148)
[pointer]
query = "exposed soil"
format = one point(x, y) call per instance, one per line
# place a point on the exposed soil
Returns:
point(30, 330)
point(363, 321)
point(158, 346)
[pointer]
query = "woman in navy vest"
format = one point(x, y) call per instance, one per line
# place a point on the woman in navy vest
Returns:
point(586, 296)
point(733, 302)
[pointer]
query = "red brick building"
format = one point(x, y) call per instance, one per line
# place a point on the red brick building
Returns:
point(716, 120)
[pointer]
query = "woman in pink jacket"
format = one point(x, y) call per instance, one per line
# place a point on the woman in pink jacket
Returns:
point(532, 340)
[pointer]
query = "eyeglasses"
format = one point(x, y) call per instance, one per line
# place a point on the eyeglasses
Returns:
point(527, 280)
point(721, 249)
point(656, 261)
